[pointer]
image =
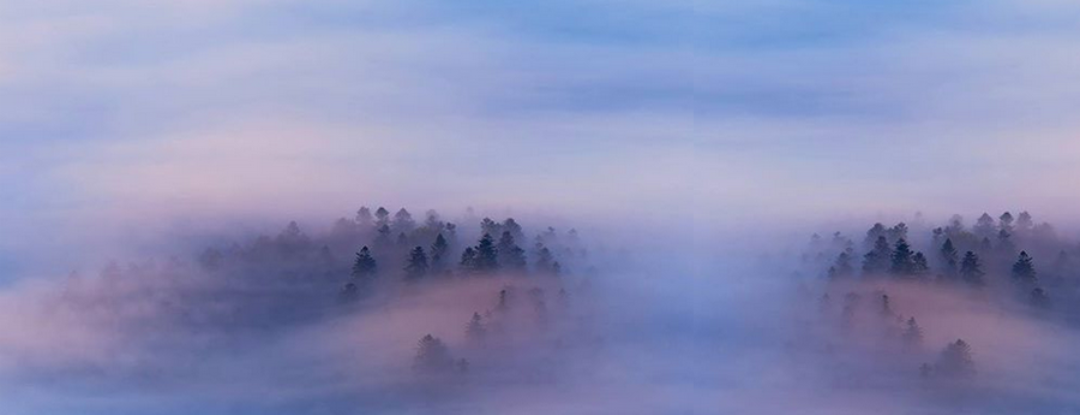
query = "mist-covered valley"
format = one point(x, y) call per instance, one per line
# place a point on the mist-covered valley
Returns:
point(387, 313)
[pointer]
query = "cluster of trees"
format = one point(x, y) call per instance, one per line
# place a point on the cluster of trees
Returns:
point(904, 335)
point(421, 261)
point(433, 356)
point(974, 257)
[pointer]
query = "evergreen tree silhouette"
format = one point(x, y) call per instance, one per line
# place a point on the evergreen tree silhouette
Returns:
point(971, 269)
point(949, 257)
point(364, 267)
point(417, 265)
point(1023, 270)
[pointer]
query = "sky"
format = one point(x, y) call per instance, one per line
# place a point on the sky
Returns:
point(119, 119)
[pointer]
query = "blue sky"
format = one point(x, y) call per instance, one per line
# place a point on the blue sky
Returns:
point(119, 117)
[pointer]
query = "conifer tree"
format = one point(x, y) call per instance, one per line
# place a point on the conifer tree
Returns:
point(487, 256)
point(842, 267)
point(403, 221)
point(432, 357)
point(984, 226)
point(1024, 222)
point(903, 263)
point(1005, 222)
point(971, 269)
point(475, 330)
point(382, 217)
point(510, 256)
point(417, 265)
point(949, 257)
point(468, 260)
point(956, 361)
point(544, 260)
point(1023, 270)
point(363, 217)
point(364, 267)
point(919, 265)
point(877, 260)
point(439, 251)
point(913, 334)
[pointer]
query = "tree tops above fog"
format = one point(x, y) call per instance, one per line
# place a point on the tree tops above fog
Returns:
point(997, 253)
point(377, 247)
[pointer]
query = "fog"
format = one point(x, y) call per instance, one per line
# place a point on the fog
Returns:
point(265, 322)
point(267, 207)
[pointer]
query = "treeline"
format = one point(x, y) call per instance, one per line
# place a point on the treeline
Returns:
point(901, 335)
point(993, 253)
point(377, 248)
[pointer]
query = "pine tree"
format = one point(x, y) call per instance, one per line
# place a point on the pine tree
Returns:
point(949, 257)
point(842, 267)
point(1023, 270)
point(1024, 222)
point(544, 260)
point(510, 256)
point(468, 260)
point(873, 234)
point(475, 330)
point(919, 267)
point(439, 250)
point(382, 217)
point(984, 226)
point(432, 357)
point(913, 334)
point(487, 257)
point(877, 260)
point(364, 267)
point(902, 263)
point(417, 265)
point(382, 239)
point(1005, 222)
point(363, 217)
point(956, 361)
point(971, 269)
point(403, 221)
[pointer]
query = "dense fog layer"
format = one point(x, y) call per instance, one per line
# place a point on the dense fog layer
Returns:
point(376, 315)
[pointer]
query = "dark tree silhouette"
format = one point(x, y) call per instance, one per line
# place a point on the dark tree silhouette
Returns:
point(1005, 222)
point(432, 357)
point(468, 260)
point(971, 269)
point(877, 260)
point(913, 334)
point(363, 217)
point(439, 251)
point(475, 330)
point(984, 226)
point(403, 221)
point(545, 261)
point(949, 257)
point(1023, 270)
point(510, 225)
point(510, 256)
point(1024, 222)
point(956, 361)
point(919, 267)
point(842, 267)
point(487, 256)
point(417, 265)
point(490, 227)
point(382, 238)
point(903, 262)
point(364, 267)
point(382, 217)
